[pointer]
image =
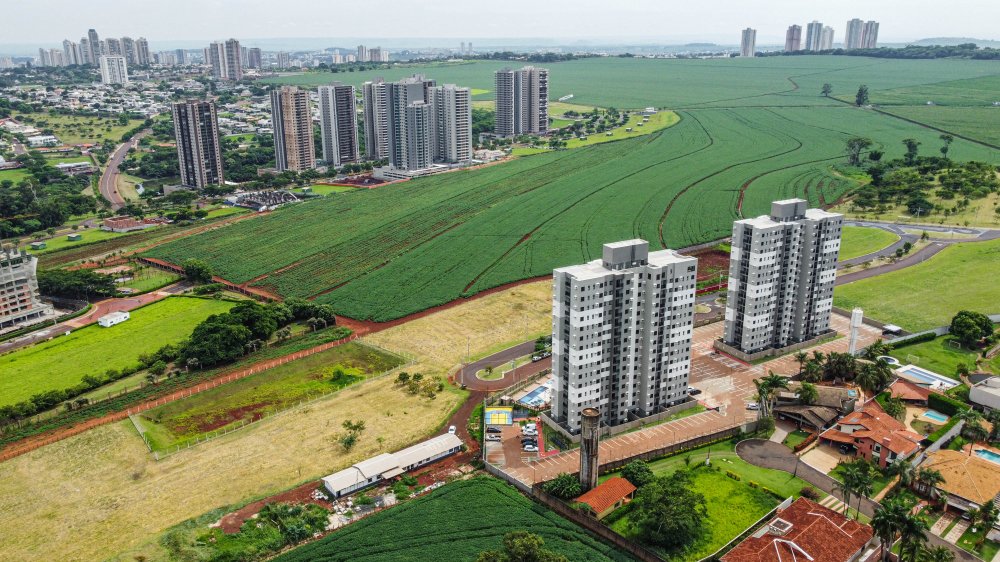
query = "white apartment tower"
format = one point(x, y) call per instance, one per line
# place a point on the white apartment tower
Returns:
point(142, 57)
point(291, 118)
point(113, 69)
point(621, 334)
point(814, 36)
point(196, 128)
point(869, 35)
point(20, 303)
point(748, 42)
point(409, 138)
point(522, 101)
point(375, 94)
point(362, 54)
point(129, 51)
point(94, 42)
point(452, 127)
point(71, 53)
point(781, 274)
point(226, 60)
point(826, 39)
point(854, 38)
point(338, 123)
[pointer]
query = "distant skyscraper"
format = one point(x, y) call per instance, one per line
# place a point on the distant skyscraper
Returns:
point(853, 39)
point(409, 125)
point(338, 122)
point(522, 101)
point(782, 270)
point(378, 54)
point(6, 63)
point(826, 39)
point(180, 55)
point(225, 59)
point(814, 36)
point(452, 126)
point(71, 53)
point(114, 70)
point(748, 43)
point(793, 38)
point(253, 57)
point(291, 118)
point(196, 128)
point(869, 35)
point(621, 334)
point(129, 51)
point(166, 58)
point(375, 96)
point(142, 57)
point(281, 60)
point(114, 46)
point(43, 58)
point(362, 53)
point(95, 47)
point(86, 53)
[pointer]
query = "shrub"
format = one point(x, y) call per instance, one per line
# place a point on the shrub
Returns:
point(809, 492)
point(753, 484)
point(808, 441)
point(733, 475)
point(946, 404)
point(929, 336)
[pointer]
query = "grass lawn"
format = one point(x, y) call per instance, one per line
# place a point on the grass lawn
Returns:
point(968, 542)
point(878, 484)
point(656, 122)
point(559, 108)
point(795, 437)
point(928, 294)
point(732, 507)
point(63, 361)
point(263, 394)
point(326, 189)
point(148, 279)
point(225, 211)
point(87, 235)
point(74, 129)
point(939, 356)
point(15, 175)
point(980, 212)
point(859, 241)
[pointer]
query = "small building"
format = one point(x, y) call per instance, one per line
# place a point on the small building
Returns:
point(74, 237)
point(390, 465)
point(608, 496)
point(42, 140)
point(831, 403)
point(805, 530)
point(875, 435)
point(969, 481)
point(909, 393)
point(128, 224)
point(986, 393)
point(76, 168)
point(113, 318)
point(37, 245)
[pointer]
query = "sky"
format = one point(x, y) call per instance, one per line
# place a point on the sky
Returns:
point(47, 22)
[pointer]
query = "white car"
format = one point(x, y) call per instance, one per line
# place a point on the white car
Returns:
point(753, 406)
point(452, 430)
point(492, 437)
point(530, 449)
point(529, 433)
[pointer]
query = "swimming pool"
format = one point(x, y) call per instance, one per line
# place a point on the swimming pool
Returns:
point(936, 416)
point(889, 359)
point(536, 398)
point(923, 377)
point(988, 455)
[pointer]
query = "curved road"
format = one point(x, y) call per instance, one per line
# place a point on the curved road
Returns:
point(108, 184)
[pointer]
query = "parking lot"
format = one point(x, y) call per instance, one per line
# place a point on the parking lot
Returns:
point(509, 451)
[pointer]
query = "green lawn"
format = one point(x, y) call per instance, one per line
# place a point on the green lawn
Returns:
point(150, 278)
point(878, 484)
point(87, 235)
point(326, 189)
point(795, 437)
point(940, 356)
point(263, 394)
point(225, 211)
point(968, 542)
point(928, 294)
point(62, 362)
point(656, 122)
point(857, 241)
point(73, 129)
point(15, 175)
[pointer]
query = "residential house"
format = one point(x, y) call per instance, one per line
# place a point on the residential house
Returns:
point(831, 403)
point(874, 434)
point(909, 393)
point(608, 496)
point(969, 480)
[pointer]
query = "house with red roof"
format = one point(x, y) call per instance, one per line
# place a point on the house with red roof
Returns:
point(874, 434)
point(909, 392)
point(608, 496)
point(807, 531)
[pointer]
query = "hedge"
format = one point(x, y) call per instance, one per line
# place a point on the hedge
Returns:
point(945, 404)
point(809, 441)
point(929, 336)
point(933, 437)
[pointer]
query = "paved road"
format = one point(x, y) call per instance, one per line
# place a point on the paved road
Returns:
point(776, 456)
point(467, 375)
point(911, 259)
point(108, 184)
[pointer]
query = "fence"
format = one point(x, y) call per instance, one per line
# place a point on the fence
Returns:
point(494, 396)
point(167, 266)
point(628, 426)
point(935, 446)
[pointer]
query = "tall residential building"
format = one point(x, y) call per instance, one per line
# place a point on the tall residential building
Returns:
point(826, 39)
point(452, 127)
point(181, 56)
point(281, 60)
point(854, 34)
point(225, 59)
point(71, 53)
point(142, 57)
point(196, 128)
point(6, 63)
point(781, 275)
point(254, 58)
point(621, 334)
point(114, 46)
point(113, 70)
point(793, 38)
point(748, 43)
point(19, 299)
point(409, 139)
point(814, 34)
point(129, 51)
point(375, 97)
point(362, 54)
point(522, 101)
point(291, 118)
point(338, 123)
point(86, 53)
point(869, 35)
point(166, 58)
point(95, 47)
point(378, 54)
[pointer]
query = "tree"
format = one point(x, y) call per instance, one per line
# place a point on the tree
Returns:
point(521, 546)
point(197, 271)
point(827, 89)
point(887, 522)
point(913, 536)
point(912, 146)
point(988, 514)
point(947, 139)
point(855, 146)
point(158, 368)
point(765, 391)
point(801, 358)
point(808, 394)
point(970, 327)
point(564, 486)
point(861, 98)
point(638, 473)
point(895, 407)
point(927, 479)
point(936, 554)
point(813, 372)
point(667, 512)
point(75, 284)
point(905, 470)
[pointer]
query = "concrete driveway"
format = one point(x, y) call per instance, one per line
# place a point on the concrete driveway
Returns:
point(824, 458)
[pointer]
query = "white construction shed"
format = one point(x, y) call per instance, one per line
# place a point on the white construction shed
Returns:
point(113, 318)
point(390, 465)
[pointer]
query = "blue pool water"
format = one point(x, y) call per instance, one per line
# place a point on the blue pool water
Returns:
point(923, 377)
point(988, 455)
point(535, 397)
point(936, 416)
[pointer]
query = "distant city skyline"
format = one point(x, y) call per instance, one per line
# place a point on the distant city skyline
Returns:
point(641, 21)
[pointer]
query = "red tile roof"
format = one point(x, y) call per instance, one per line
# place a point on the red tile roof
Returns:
point(607, 494)
point(878, 426)
point(821, 533)
point(906, 390)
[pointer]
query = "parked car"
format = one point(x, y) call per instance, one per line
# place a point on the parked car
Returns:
point(529, 441)
point(531, 448)
point(452, 429)
point(532, 426)
point(844, 449)
point(491, 437)
point(493, 430)
point(693, 391)
point(753, 406)
point(529, 433)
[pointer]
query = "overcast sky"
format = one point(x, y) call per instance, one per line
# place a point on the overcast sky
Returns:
point(47, 22)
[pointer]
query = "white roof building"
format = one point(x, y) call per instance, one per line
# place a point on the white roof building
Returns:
point(986, 393)
point(390, 465)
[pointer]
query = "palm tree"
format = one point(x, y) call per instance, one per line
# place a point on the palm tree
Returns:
point(905, 470)
point(808, 393)
point(866, 379)
point(849, 475)
point(886, 523)
point(801, 357)
point(928, 478)
point(988, 514)
point(936, 554)
point(863, 484)
point(913, 535)
point(877, 349)
point(813, 372)
point(765, 391)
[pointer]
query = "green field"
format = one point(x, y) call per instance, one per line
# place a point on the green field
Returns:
point(15, 175)
point(981, 123)
point(263, 394)
point(74, 129)
point(62, 362)
point(150, 278)
point(455, 522)
point(928, 294)
point(940, 356)
point(857, 241)
point(87, 235)
point(326, 189)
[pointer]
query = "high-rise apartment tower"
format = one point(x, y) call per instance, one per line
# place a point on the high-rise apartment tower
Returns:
point(113, 69)
point(291, 118)
point(338, 122)
point(522, 101)
point(196, 128)
point(748, 42)
point(793, 38)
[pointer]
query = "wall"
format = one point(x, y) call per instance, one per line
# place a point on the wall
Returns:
point(751, 357)
point(622, 428)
